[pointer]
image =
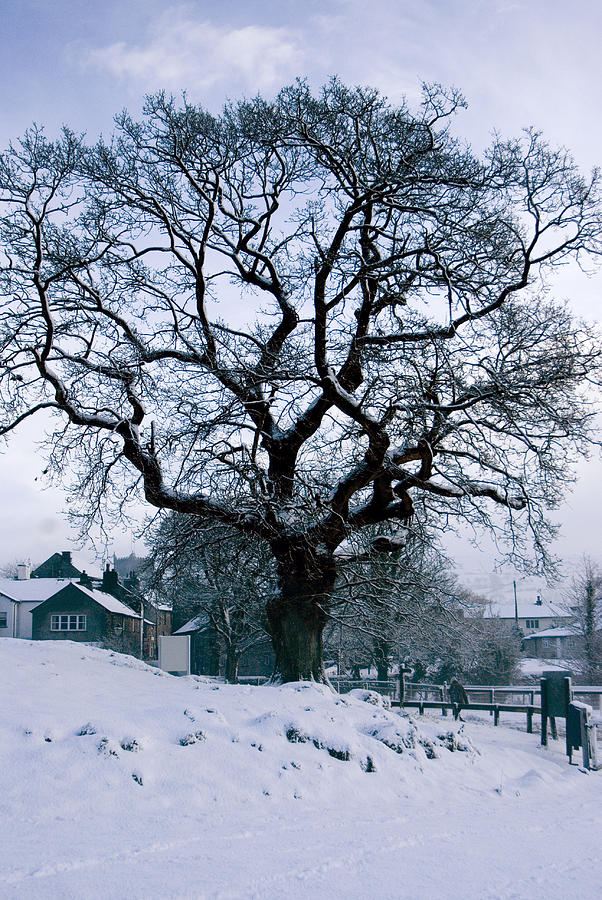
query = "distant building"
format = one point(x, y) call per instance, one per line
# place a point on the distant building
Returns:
point(59, 565)
point(526, 602)
point(563, 642)
point(204, 645)
point(156, 617)
point(125, 566)
point(79, 613)
point(18, 597)
point(532, 616)
point(102, 611)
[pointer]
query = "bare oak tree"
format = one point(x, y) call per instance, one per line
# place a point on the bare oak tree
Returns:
point(301, 318)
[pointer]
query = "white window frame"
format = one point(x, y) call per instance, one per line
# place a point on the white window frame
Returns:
point(3, 619)
point(68, 622)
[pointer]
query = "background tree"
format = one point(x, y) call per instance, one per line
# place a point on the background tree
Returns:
point(584, 600)
point(394, 604)
point(215, 571)
point(410, 608)
point(301, 318)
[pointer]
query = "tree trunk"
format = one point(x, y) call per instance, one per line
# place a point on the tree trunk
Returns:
point(232, 660)
point(298, 613)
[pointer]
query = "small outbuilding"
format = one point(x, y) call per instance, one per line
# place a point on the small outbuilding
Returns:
point(208, 654)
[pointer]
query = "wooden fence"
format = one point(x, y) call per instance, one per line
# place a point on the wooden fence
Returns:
point(494, 709)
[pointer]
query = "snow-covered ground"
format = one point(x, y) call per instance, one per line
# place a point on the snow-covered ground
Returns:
point(119, 781)
point(534, 668)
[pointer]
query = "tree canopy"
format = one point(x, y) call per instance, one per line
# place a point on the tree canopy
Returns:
point(302, 318)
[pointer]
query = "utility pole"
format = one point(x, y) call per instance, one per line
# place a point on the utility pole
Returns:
point(515, 606)
point(141, 628)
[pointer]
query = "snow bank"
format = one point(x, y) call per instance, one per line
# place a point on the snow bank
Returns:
point(118, 780)
point(86, 717)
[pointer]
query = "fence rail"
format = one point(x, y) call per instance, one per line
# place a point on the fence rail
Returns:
point(493, 693)
point(494, 709)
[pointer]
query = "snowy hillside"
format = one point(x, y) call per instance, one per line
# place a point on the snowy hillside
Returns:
point(121, 781)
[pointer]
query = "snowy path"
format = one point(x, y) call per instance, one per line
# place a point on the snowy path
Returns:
point(512, 849)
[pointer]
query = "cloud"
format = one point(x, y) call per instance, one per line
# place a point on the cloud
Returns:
point(184, 52)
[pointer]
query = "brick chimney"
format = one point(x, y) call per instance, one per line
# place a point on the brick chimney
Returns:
point(85, 580)
point(110, 582)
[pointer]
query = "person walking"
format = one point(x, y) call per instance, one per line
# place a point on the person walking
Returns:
point(457, 694)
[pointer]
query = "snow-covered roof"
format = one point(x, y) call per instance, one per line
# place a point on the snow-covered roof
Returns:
point(560, 632)
point(109, 602)
point(530, 610)
point(38, 590)
point(195, 624)
point(498, 588)
point(32, 590)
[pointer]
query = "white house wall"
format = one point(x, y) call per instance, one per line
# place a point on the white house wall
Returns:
point(19, 625)
point(25, 620)
point(7, 606)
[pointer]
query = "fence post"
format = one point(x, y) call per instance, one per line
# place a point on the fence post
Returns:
point(583, 721)
point(588, 740)
point(592, 745)
point(567, 701)
point(544, 712)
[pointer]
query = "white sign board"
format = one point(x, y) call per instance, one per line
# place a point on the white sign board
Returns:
point(174, 653)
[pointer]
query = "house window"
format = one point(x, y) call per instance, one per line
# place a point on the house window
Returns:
point(68, 622)
point(3, 620)
point(532, 623)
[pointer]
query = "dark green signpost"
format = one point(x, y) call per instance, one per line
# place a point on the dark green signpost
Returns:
point(556, 695)
point(557, 700)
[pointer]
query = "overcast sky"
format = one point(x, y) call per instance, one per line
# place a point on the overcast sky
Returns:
point(536, 62)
